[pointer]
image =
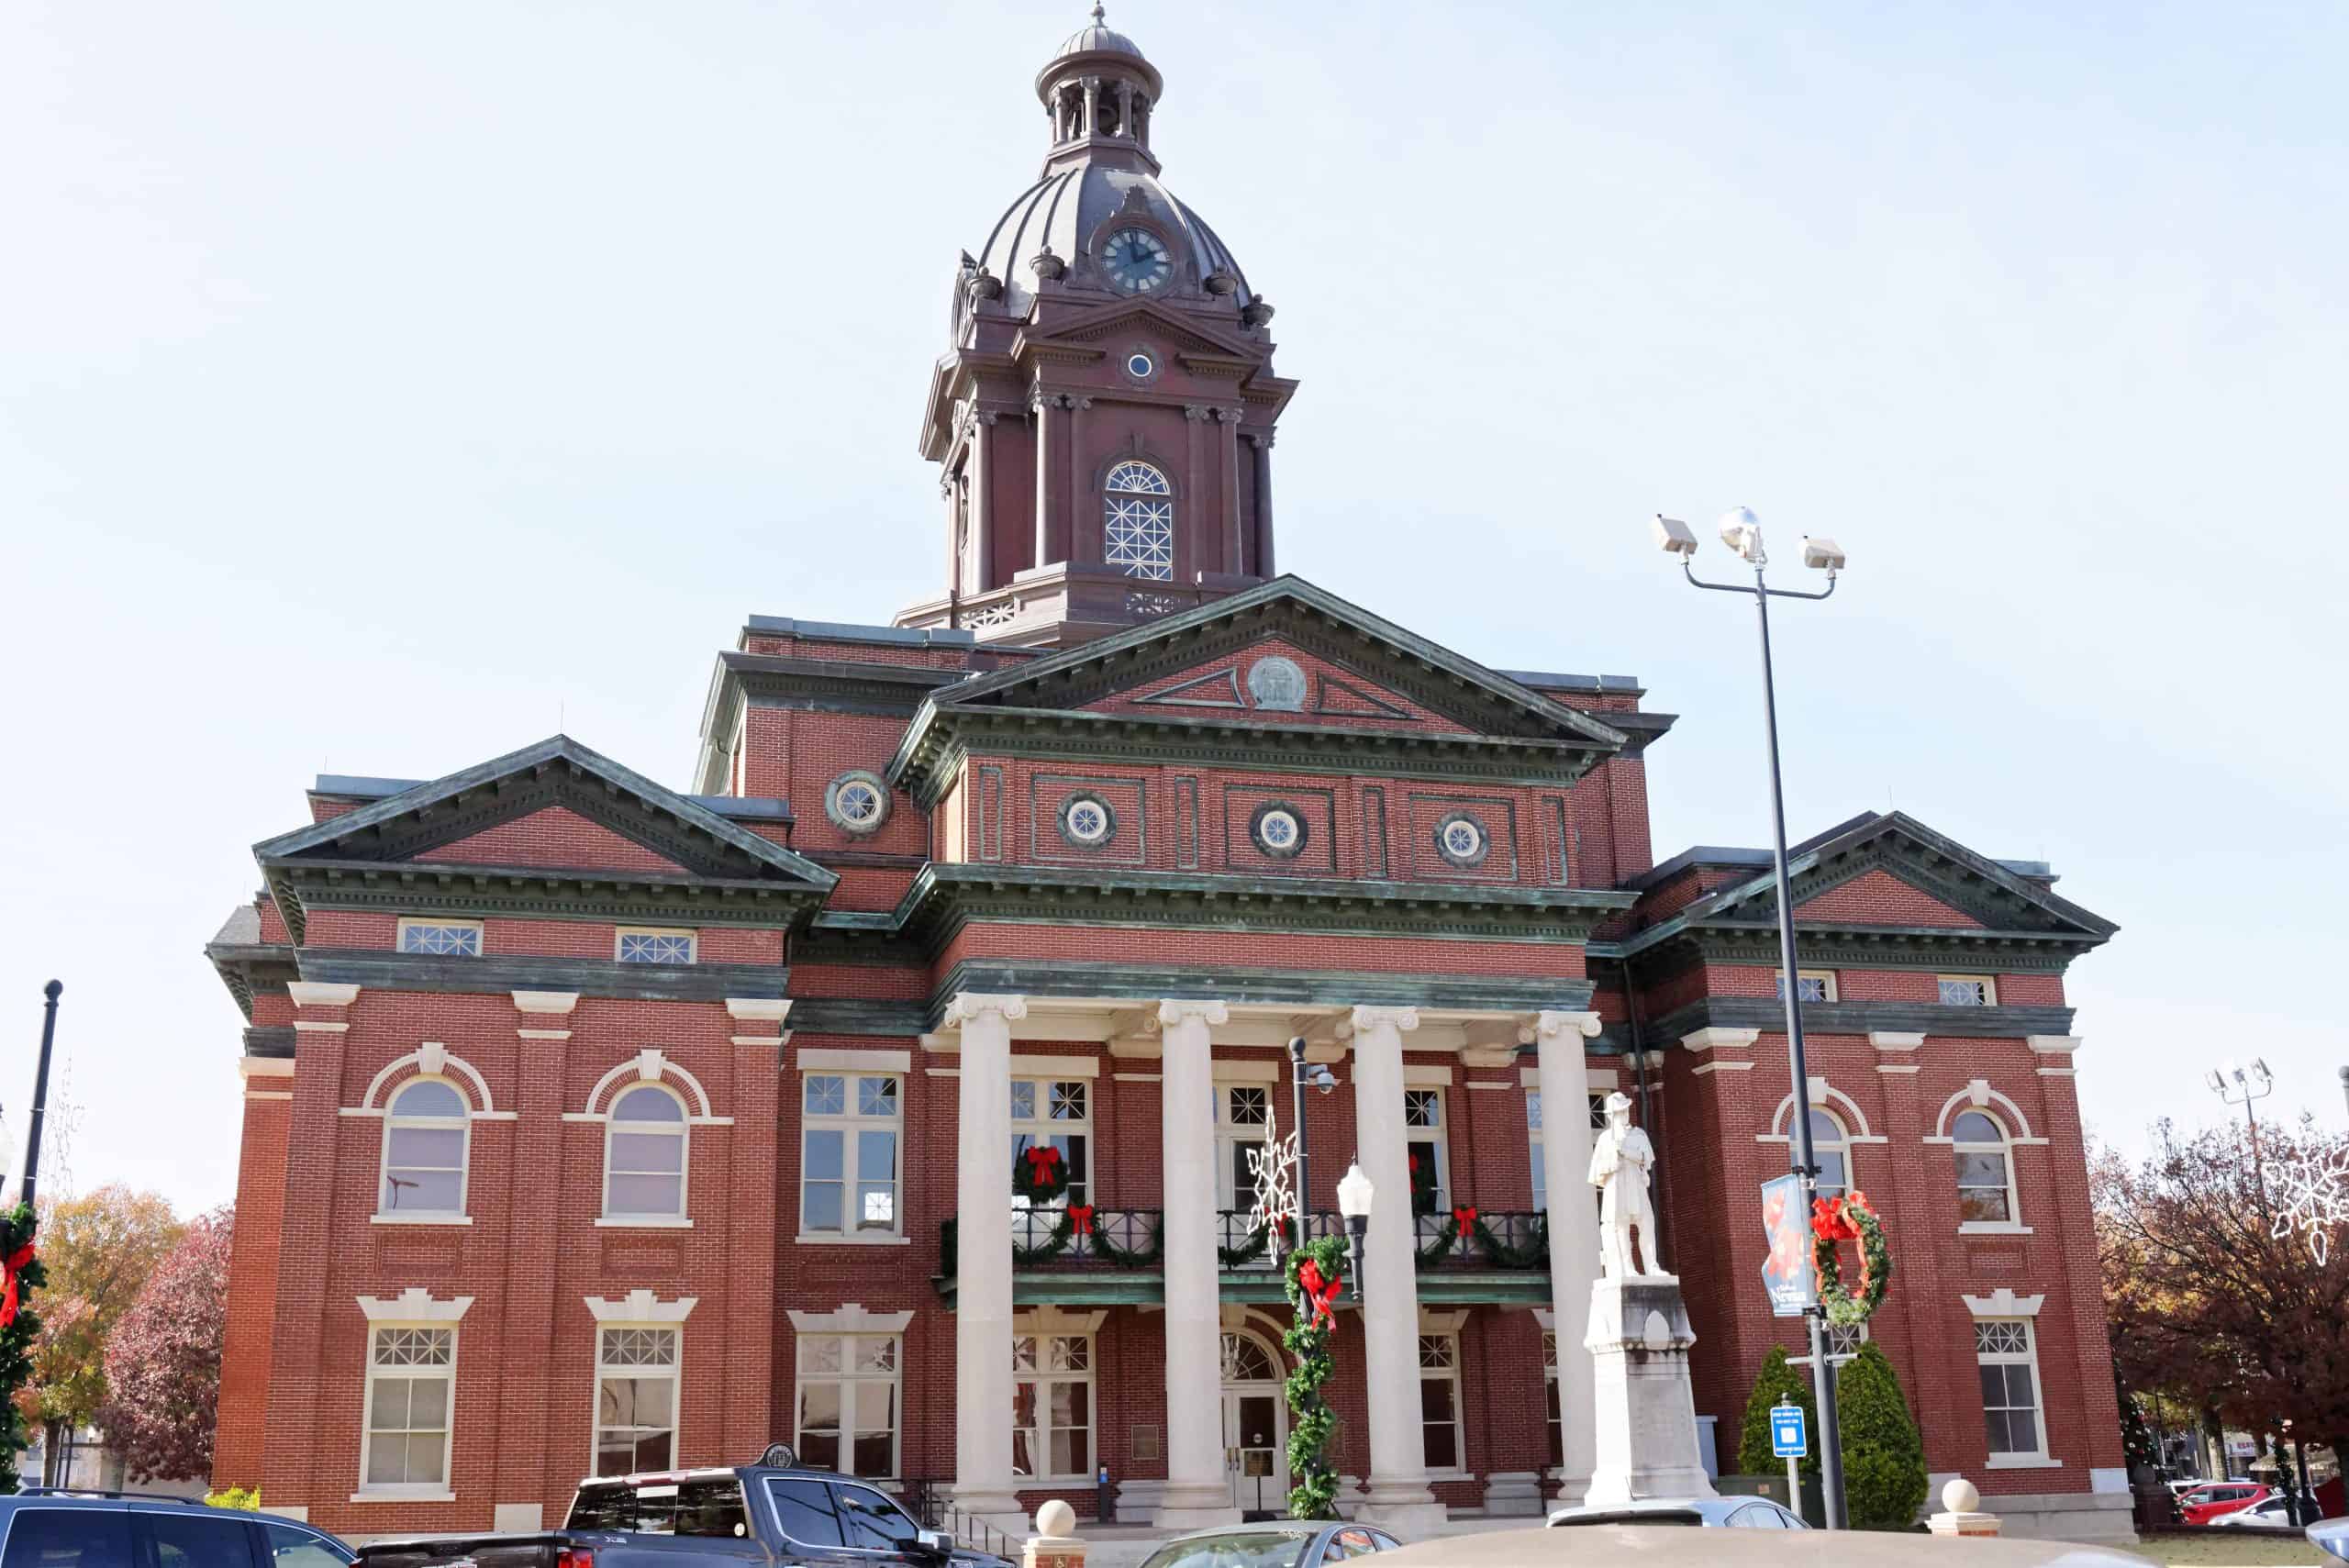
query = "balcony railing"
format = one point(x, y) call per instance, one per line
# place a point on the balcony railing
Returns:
point(1465, 1237)
point(1078, 1237)
point(1071, 1235)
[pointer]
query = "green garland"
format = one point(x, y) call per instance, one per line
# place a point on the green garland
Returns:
point(1313, 1489)
point(1052, 1246)
point(16, 1340)
point(1141, 1257)
point(1534, 1254)
point(1432, 1253)
point(1259, 1240)
point(1848, 1218)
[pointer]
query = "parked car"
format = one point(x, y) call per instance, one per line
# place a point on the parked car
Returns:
point(1746, 1549)
point(2332, 1536)
point(2275, 1512)
point(773, 1513)
point(1735, 1513)
point(2199, 1507)
point(53, 1528)
point(1277, 1544)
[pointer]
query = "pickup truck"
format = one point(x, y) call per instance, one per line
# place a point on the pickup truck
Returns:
point(770, 1515)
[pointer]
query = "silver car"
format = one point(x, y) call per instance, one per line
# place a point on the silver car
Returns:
point(1735, 1513)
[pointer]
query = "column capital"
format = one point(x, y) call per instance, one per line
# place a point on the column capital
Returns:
point(1173, 1011)
point(1707, 1039)
point(320, 994)
point(2053, 1044)
point(759, 1009)
point(968, 1006)
point(545, 1001)
point(1551, 1024)
point(1402, 1019)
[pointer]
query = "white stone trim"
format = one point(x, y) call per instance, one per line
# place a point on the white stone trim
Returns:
point(2057, 1071)
point(1993, 1227)
point(544, 1001)
point(834, 1059)
point(250, 1067)
point(320, 993)
point(1056, 1067)
point(768, 1009)
point(1426, 1075)
point(642, 1221)
point(650, 1066)
point(1601, 1078)
point(2053, 1044)
point(2108, 1480)
point(1822, 1094)
point(639, 1306)
point(1114, 1077)
point(1724, 1039)
point(1900, 1067)
point(2004, 1302)
point(1057, 1321)
point(1490, 1083)
point(1981, 1096)
point(269, 1093)
point(1404, 1021)
point(1434, 1322)
point(1702, 1068)
point(1554, 1022)
point(2023, 1461)
point(413, 1218)
point(432, 1059)
point(1245, 1072)
point(314, 1026)
point(541, 1034)
point(1487, 1055)
point(414, 1305)
point(851, 1319)
point(1177, 1010)
point(1895, 1040)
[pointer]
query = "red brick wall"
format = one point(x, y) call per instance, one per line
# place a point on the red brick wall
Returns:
point(554, 837)
point(252, 1287)
point(1880, 898)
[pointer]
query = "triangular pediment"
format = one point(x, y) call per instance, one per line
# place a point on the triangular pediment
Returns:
point(1284, 653)
point(1182, 335)
point(1887, 871)
point(513, 811)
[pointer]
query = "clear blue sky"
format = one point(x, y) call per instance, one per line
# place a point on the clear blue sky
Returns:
point(384, 386)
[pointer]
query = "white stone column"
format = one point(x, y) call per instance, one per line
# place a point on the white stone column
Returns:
point(1395, 1494)
point(1198, 1494)
point(983, 1481)
point(1574, 1233)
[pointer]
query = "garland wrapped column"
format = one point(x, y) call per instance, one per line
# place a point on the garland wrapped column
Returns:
point(1316, 1273)
point(19, 1325)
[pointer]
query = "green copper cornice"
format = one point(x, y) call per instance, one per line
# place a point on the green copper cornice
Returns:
point(542, 893)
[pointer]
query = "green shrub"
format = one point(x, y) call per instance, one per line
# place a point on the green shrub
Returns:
point(1884, 1459)
point(1778, 1385)
point(245, 1498)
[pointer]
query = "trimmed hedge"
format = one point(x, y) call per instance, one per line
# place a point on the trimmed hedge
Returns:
point(1779, 1384)
point(1883, 1458)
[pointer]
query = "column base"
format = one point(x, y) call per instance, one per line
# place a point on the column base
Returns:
point(1403, 1506)
point(1513, 1494)
point(1572, 1489)
point(1194, 1505)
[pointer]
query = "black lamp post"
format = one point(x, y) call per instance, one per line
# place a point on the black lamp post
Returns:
point(1319, 1077)
point(1741, 531)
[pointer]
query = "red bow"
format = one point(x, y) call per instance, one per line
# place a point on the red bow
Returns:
point(1319, 1294)
point(1464, 1217)
point(1083, 1214)
point(13, 1265)
point(1830, 1223)
point(1415, 1164)
point(1041, 1160)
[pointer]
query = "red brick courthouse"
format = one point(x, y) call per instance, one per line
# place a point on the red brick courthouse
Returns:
point(593, 1124)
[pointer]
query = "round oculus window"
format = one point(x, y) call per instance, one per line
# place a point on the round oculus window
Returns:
point(1460, 839)
point(1086, 821)
point(1278, 830)
point(857, 802)
point(1141, 366)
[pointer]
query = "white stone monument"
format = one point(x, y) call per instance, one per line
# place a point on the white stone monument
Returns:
point(1638, 1335)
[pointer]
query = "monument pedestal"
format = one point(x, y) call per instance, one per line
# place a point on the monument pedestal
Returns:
point(1638, 1338)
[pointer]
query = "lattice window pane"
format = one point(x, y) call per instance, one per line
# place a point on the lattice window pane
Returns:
point(1422, 1107)
point(827, 1094)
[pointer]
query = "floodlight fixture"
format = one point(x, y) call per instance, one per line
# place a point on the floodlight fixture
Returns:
point(1672, 537)
point(1741, 531)
point(1822, 554)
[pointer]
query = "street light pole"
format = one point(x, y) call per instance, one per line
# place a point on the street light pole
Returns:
point(1296, 1100)
point(2241, 1087)
point(1742, 532)
point(40, 1091)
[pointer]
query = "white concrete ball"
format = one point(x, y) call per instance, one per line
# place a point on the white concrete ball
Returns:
point(1960, 1497)
point(1056, 1521)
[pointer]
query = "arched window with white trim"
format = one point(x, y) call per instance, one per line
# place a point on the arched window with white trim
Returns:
point(1137, 521)
point(644, 1155)
point(1831, 1147)
point(1986, 1170)
point(426, 1130)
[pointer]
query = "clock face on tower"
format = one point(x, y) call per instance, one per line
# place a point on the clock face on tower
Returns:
point(1136, 261)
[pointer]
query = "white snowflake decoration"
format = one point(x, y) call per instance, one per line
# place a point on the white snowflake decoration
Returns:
point(2313, 1192)
point(1271, 1166)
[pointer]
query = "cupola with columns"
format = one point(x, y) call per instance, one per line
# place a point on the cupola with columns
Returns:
point(1103, 418)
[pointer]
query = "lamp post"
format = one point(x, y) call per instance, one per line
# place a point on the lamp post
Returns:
point(1741, 531)
point(2240, 1085)
point(1321, 1079)
point(1354, 1195)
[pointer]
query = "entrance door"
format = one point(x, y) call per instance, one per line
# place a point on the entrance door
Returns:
point(1255, 1428)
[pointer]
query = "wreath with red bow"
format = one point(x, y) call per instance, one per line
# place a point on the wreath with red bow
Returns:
point(1849, 1218)
point(1039, 1174)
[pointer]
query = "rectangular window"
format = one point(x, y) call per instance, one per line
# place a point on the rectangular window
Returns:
point(1598, 1113)
point(1423, 1130)
point(1968, 991)
point(1051, 1408)
point(1533, 1139)
point(1440, 1403)
point(2010, 1366)
point(638, 944)
point(1557, 1417)
point(442, 939)
point(411, 1373)
point(1054, 1113)
point(635, 1400)
point(1811, 984)
point(848, 1403)
point(849, 1141)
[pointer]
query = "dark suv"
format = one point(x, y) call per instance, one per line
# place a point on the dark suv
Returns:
point(45, 1527)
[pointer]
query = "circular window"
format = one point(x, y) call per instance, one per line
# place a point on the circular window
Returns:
point(1087, 822)
point(1460, 839)
point(1278, 830)
point(857, 801)
point(1141, 366)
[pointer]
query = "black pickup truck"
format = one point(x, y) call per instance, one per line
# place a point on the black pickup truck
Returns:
point(753, 1515)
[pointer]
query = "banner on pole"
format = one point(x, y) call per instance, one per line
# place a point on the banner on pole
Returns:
point(1787, 1273)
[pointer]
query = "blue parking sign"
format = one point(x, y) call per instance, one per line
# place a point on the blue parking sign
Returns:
point(1790, 1439)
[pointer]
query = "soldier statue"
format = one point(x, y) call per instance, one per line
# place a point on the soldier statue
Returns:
point(1620, 1163)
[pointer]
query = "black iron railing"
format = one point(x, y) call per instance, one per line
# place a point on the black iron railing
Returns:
point(1466, 1237)
point(927, 1501)
point(1070, 1235)
point(1242, 1241)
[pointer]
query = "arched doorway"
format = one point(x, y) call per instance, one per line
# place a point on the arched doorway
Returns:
point(1255, 1426)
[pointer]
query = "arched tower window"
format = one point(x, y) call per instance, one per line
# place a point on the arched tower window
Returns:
point(644, 1156)
point(1986, 1192)
point(1138, 522)
point(424, 1151)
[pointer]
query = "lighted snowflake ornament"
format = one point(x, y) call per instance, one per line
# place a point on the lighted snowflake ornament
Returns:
point(1271, 1166)
point(2312, 1193)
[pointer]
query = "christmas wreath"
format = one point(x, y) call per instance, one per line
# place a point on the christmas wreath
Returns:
point(19, 1325)
point(1849, 1218)
point(1040, 1175)
point(1315, 1274)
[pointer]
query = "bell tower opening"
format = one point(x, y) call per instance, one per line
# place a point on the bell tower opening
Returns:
point(1104, 416)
